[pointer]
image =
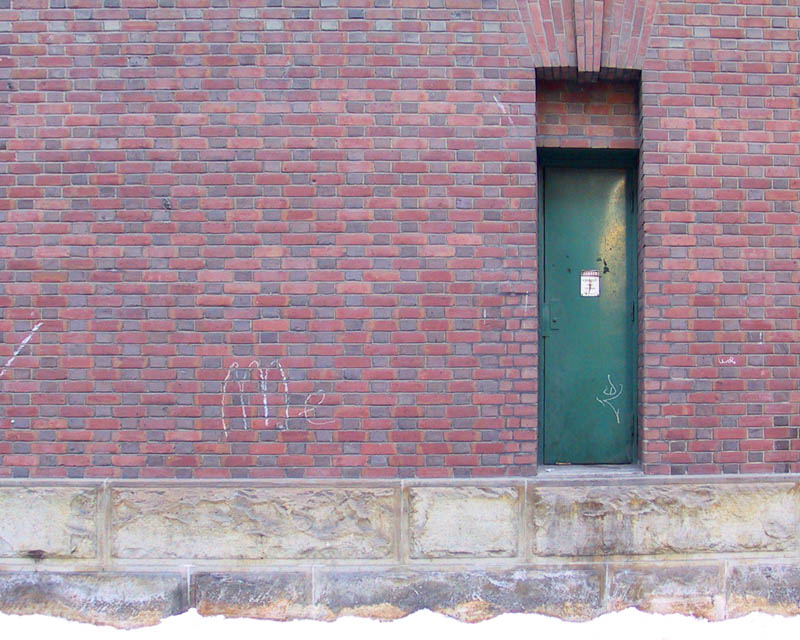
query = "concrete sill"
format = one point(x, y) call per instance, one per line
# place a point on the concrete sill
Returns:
point(590, 471)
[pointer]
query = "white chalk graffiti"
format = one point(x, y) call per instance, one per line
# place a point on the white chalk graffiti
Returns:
point(10, 362)
point(611, 392)
point(241, 397)
point(500, 104)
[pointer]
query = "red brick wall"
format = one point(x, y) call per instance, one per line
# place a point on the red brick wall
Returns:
point(602, 115)
point(721, 264)
point(331, 211)
point(319, 210)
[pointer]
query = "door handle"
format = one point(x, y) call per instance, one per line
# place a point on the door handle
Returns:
point(556, 313)
point(551, 315)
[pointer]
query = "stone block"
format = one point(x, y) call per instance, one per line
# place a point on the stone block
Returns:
point(771, 587)
point(48, 522)
point(253, 523)
point(671, 518)
point(570, 593)
point(688, 589)
point(276, 595)
point(451, 522)
point(123, 600)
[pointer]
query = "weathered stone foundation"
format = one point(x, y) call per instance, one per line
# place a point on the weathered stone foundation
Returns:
point(130, 553)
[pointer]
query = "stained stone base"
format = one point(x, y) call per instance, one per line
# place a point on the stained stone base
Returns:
point(573, 594)
point(568, 593)
point(767, 587)
point(130, 553)
point(129, 600)
point(688, 589)
point(277, 595)
point(124, 600)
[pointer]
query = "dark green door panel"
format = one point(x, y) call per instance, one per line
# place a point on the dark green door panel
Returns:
point(589, 360)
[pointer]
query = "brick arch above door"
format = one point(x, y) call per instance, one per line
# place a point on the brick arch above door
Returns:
point(596, 37)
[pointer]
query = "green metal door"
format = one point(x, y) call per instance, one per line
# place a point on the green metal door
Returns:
point(588, 317)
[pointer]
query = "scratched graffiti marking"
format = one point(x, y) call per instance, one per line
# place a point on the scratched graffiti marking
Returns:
point(270, 385)
point(10, 362)
point(610, 393)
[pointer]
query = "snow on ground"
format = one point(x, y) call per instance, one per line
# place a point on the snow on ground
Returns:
point(625, 625)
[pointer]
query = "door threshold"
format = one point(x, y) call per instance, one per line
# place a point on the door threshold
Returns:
point(590, 470)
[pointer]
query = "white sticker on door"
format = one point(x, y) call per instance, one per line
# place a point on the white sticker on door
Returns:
point(590, 283)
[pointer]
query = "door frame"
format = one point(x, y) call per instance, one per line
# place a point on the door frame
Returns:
point(627, 159)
